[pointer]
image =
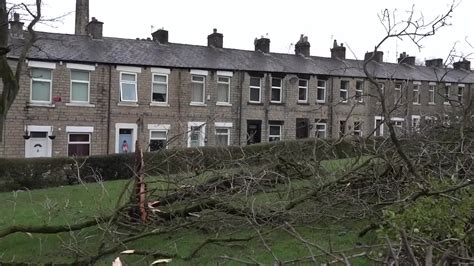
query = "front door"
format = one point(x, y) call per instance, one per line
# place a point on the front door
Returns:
point(38, 145)
point(254, 131)
point(126, 140)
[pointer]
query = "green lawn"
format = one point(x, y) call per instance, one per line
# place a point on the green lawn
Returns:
point(73, 204)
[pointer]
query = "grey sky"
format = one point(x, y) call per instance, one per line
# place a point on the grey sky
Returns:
point(353, 22)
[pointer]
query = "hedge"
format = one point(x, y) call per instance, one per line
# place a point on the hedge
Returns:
point(36, 173)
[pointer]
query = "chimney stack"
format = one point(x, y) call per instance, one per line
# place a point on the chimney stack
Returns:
point(16, 27)
point(464, 64)
point(406, 59)
point(82, 17)
point(438, 62)
point(378, 57)
point(215, 39)
point(262, 44)
point(94, 28)
point(160, 36)
point(302, 47)
point(338, 51)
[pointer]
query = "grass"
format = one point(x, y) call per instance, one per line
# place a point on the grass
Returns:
point(72, 204)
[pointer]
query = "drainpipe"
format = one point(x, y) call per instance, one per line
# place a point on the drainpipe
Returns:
point(331, 108)
point(240, 107)
point(108, 109)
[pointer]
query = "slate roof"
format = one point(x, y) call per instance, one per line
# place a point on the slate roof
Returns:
point(76, 48)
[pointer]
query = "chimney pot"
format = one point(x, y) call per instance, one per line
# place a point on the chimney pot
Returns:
point(94, 28)
point(160, 36)
point(16, 27)
point(82, 17)
point(262, 44)
point(302, 47)
point(406, 59)
point(215, 39)
point(338, 51)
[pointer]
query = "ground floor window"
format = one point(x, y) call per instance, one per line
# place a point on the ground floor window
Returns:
point(320, 132)
point(274, 133)
point(79, 144)
point(196, 134)
point(378, 127)
point(222, 136)
point(158, 139)
point(358, 128)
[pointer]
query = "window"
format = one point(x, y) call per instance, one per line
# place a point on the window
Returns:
point(397, 123)
point(255, 90)
point(274, 133)
point(342, 128)
point(321, 91)
point(276, 90)
point(431, 94)
point(357, 128)
point(158, 139)
point(359, 93)
point(79, 144)
point(320, 132)
point(197, 88)
point(378, 126)
point(128, 87)
point(223, 89)
point(222, 136)
point(196, 134)
point(460, 93)
point(79, 86)
point(41, 81)
point(381, 86)
point(415, 123)
point(343, 91)
point(446, 92)
point(303, 91)
point(416, 93)
point(159, 91)
point(398, 94)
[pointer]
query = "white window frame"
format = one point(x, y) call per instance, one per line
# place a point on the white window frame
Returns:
point(358, 131)
point(382, 89)
point(32, 79)
point(202, 131)
point(280, 89)
point(323, 88)
point(447, 88)
point(280, 128)
point(360, 91)
point(460, 95)
point(432, 93)
point(345, 91)
point(203, 82)
point(153, 82)
point(228, 89)
point(221, 125)
point(306, 90)
point(377, 118)
point(79, 142)
point(398, 92)
point(255, 87)
point(316, 130)
point(416, 93)
point(131, 83)
point(83, 82)
point(415, 127)
point(133, 127)
point(158, 130)
point(396, 120)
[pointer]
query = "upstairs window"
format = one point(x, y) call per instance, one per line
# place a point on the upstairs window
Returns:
point(446, 93)
point(398, 94)
point(223, 89)
point(431, 94)
point(460, 93)
point(80, 87)
point(159, 93)
point(303, 91)
point(321, 91)
point(197, 89)
point(255, 90)
point(416, 93)
point(359, 92)
point(128, 87)
point(158, 140)
point(276, 90)
point(343, 91)
point(41, 85)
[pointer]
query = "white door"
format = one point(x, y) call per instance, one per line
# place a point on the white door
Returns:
point(38, 145)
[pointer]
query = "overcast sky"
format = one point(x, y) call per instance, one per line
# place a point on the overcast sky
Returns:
point(355, 23)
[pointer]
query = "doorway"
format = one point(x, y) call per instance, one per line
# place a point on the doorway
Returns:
point(254, 131)
point(38, 145)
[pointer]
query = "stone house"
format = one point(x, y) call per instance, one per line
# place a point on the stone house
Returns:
point(86, 94)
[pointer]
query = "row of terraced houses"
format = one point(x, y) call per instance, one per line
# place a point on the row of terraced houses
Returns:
point(86, 94)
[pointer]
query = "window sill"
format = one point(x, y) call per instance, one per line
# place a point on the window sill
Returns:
point(160, 104)
point(416, 103)
point(277, 103)
point(197, 104)
point(431, 103)
point(130, 104)
point(47, 105)
point(254, 103)
point(223, 104)
point(446, 103)
point(80, 104)
point(302, 103)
